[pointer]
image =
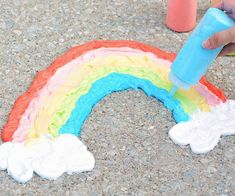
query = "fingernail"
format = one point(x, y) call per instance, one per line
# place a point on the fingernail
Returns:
point(206, 44)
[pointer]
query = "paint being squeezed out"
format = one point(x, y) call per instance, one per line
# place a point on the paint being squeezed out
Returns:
point(173, 90)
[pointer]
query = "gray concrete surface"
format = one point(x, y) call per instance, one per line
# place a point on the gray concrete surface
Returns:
point(126, 132)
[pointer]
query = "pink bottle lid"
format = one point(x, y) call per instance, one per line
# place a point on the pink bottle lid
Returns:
point(181, 15)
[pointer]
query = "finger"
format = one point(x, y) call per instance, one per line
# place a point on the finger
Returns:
point(227, 50)
point(219, 5)
point(220, 39)
point(233, 13)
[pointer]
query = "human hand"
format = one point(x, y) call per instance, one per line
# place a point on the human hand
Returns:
point(226, 37)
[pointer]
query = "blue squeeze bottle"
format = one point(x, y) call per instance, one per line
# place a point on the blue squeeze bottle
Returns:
point(193, 60)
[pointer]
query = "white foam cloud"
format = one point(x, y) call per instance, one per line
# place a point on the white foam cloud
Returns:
point(204, 130)
point(47, 157)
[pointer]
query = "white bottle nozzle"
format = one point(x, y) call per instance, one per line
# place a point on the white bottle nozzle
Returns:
point(173, 90)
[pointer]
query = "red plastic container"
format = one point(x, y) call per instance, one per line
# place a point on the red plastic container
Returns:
point(181, 15)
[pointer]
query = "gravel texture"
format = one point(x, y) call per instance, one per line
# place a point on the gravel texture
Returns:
point(126, 132)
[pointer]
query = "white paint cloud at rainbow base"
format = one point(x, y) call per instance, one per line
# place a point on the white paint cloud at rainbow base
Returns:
point(203, 131)
point(47, 157)
point(50, 158)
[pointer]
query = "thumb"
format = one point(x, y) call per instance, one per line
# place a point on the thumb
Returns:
point(220, 39)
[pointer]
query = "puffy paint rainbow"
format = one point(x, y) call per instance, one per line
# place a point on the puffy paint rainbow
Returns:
point(62, 96)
